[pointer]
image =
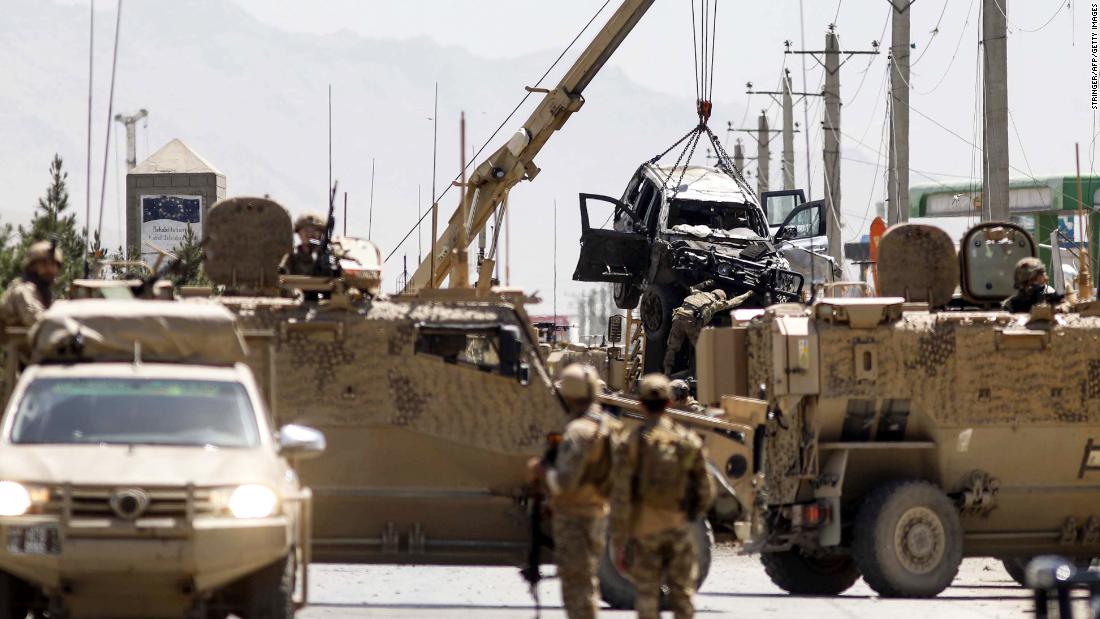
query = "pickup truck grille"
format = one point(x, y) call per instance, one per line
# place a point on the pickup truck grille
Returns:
point(113, 502)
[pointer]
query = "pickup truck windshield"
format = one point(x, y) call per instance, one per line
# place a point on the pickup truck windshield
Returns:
point(135, 411)
point(723, 218)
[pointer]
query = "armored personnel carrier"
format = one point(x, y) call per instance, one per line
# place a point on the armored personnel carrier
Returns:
point(432, 404)
point(908, 431)
point(142, 475)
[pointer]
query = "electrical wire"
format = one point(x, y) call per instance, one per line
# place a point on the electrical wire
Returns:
point(1008, 21)
point(954, 54)
point(500, 126)
point(110, 112)
point(935, 31)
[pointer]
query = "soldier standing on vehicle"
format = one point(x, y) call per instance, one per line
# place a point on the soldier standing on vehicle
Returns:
point(31, 293)
point(696, 312)
point(310, 227)
point(579, 480)
point(660, 487)
point(1030, 281)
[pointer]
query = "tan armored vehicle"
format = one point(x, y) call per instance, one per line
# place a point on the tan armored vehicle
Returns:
point(432, 405)
point(908, 431)
point(140, 473)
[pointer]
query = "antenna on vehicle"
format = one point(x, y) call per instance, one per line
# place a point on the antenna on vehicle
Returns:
point(137, 352)
point(370, 208)
point(329, 187)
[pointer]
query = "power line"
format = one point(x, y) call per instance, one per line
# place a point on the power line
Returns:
point(935, 31)
point(954, 54)
point(1061, 6)
point(501, 126)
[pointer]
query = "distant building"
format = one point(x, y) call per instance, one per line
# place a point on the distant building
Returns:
point(167, 193)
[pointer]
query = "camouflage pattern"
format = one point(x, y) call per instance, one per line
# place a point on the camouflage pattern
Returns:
point(301, 261)
point(578, 543)
point(671, 558)
point(977, 387)
point(23, 302)
point(696, 312)
point(659, 476)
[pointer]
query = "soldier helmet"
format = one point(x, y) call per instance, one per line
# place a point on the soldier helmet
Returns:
point(679, 389)
point(654, 387)
point(578, 382)
point(41, 251)
point(721, 294)
point(1026, 270)
point(309, 219)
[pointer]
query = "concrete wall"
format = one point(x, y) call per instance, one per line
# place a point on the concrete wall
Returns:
point(209, 186)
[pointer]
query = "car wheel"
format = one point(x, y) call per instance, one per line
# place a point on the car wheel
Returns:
point(657, 303)
point(908, 540)
point(269, 593)
point(802, 574)
point(618, 591)
point(626, 295)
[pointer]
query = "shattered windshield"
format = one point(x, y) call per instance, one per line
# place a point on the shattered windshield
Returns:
point(132, 411)
point(722, 219)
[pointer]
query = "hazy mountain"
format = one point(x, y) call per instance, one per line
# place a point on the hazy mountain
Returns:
point(252, 101)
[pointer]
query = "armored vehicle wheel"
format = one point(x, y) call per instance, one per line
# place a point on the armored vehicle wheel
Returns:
point(626, 295)
point(618, 591)
point(269, 593)
point(908, 540)
point(801, 574)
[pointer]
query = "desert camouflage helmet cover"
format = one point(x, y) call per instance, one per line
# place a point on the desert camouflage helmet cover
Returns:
point(721, 294)
point(1026, 269)
point(42, 250)
point(679, 389)
point(654, 387)
point(311, 219)
point(577, 382)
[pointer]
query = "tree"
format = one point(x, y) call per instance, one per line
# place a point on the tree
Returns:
point(52, 221)
point(189, 271)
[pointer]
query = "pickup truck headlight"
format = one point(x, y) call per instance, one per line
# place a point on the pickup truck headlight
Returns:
point(17, 499)
point(247, 500)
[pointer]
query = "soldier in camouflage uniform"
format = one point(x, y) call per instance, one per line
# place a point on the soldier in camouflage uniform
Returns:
point(696, 312)
point(310, 227)
point(579, 480)
point(1030, 281)
point(659, 488)
point(30, 294)
point(682, 398)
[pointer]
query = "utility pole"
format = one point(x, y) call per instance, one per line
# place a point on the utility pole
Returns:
point(460, 266)
point(831, 128)
point(898, 185)
point(995, 136)
point(763, 154)
point(739, 156)
point(788, 133)
point(130, 120)
point(831, 139)
point(786, 98)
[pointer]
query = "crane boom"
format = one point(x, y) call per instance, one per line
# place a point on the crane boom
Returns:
point(514, 161)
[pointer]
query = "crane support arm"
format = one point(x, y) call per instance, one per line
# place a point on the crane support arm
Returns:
point(514, 161)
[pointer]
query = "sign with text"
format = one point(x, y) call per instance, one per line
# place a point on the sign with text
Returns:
point(164, 223)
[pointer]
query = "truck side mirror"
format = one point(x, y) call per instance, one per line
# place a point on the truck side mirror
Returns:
point(300, 442)
point(615, 328)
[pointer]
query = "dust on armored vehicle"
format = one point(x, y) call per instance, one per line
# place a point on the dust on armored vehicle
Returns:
point(678, 226)
point(141, 473)
point(431, 403)
point(906, 432)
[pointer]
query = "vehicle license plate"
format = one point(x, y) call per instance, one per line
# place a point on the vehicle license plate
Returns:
point(40, 539)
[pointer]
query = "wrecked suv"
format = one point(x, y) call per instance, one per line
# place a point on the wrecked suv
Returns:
point(676, 227)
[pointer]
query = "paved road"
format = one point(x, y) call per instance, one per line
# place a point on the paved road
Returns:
point(737, 585)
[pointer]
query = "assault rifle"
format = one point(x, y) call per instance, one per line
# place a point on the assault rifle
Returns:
point(326, 264)
point(531, 571)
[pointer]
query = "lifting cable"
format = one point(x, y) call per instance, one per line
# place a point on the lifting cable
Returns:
point(704, 20)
